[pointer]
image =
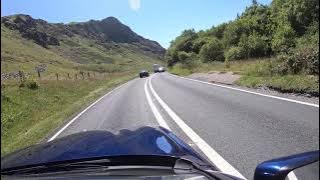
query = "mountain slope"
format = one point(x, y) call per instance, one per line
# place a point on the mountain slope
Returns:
point(103, 46)
point(89, 59)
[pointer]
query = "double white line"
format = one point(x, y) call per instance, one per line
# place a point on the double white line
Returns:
point(212, 155)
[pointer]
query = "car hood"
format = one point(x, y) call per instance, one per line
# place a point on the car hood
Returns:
point(92, 144)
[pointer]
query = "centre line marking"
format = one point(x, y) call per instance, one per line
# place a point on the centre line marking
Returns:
point(213, 156)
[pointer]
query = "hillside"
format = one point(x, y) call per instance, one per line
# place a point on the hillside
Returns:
point(79, 63)
point(102, 46)
point(281, 40)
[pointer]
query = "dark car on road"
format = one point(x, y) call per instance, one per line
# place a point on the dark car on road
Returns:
point(143, 73)
point(146, 153)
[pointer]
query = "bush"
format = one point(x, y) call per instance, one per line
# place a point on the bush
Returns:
point(183, 56)
point(188, 60)
point(235, 53)
point(32, 85)
point(212, 51)
point(180, 69)
point(257, 45)
point(21, 85)
point(299, 60)
point(171, 57)
point(283, 39)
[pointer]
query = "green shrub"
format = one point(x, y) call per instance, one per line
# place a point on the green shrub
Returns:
point(299, 60)
point(198, 43)
point(180, 69)
point(212, 51)
point(183, 56)
point(21, 85)
point(235, 53)
point(32, 85)
point(227, 63)
point(283, 39)
point(188, 60)
point(257, 45)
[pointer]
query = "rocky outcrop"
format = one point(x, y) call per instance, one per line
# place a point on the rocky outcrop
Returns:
point(28, 27)
point(109, 31)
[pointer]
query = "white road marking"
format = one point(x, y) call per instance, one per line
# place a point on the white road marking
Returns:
point(155, 111)
point(195, 178)
point(213, 156)
point(250, 92)
point(77, 116)
point(292, 176)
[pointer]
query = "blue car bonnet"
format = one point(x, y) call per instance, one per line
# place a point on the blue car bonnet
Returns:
point(92, 144)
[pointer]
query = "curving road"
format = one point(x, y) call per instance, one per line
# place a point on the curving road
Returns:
point(236, 130)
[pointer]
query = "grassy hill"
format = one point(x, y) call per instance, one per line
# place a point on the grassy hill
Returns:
point(32, 109)
point(23, 51)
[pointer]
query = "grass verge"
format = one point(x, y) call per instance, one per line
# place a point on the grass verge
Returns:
point(29, 115)
point(256, 73)
point(287, 84)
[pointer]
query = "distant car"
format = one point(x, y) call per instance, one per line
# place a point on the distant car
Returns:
point(155, 68)
point(144, 73)
point(159, 69)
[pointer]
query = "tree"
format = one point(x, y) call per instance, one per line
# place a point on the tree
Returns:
point(254, 2)
point(283, 39)
point(212, 51)
point(299, 14)
point(257, 45)
point(184, 41)
point(171, 56)
point(235, 53)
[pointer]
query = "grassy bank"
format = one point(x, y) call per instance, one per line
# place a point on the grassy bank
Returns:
point(255, 73)
point(29, 115)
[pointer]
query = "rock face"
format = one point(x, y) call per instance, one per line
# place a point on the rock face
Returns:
point(28, 27)
point(107, 31)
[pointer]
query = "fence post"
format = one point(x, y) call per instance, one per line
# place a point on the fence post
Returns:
point(57, 75)
point(88, 74)
point(39, 75)
point(82, 74)
point(68, 76)
point(21, 76)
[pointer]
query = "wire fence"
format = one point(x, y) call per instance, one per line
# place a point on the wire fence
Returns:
point(21, 76)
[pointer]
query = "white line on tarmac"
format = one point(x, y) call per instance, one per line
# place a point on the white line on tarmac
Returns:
point(250, 92)
point(76, 117)
point(213, 156)
point(155, 111)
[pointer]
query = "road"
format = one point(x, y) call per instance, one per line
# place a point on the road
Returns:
point(235, 129)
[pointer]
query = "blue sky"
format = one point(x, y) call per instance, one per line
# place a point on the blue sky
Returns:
point(159, 20)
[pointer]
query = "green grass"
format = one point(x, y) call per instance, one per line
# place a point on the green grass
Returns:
point(286, 83)
point(27, 116)
point(73, 55)
point(256, 73)
point(180, 70)
point(239, 67)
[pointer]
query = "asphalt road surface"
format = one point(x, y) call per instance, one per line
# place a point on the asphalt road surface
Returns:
point(235, 130)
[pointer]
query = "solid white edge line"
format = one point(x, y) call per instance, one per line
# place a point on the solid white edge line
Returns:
point(155, 111)
point(213, 156)
point(250, 92)
point(78, 115)
point(292, 176)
